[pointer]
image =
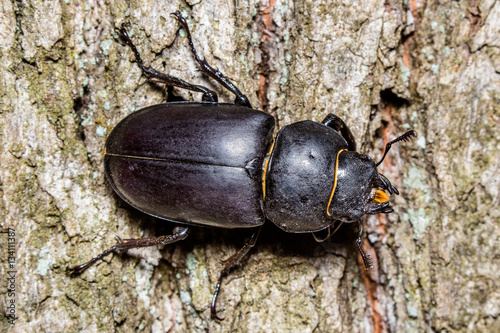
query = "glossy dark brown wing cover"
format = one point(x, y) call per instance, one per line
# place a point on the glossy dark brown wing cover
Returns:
point(196, 163)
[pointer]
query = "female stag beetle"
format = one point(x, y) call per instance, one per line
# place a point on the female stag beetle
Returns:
point(216, 164)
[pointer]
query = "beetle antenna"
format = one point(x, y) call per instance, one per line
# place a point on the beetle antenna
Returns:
point(405, 137)
point(367, 259)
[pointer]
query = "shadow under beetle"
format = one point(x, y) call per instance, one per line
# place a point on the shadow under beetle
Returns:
point(216, 164)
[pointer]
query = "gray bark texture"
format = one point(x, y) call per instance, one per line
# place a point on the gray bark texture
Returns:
point(66, 79)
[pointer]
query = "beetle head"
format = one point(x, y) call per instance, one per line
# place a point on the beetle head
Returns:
point(360, 188)
point(379, 200)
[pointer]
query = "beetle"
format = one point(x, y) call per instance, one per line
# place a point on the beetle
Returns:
point(217, 164)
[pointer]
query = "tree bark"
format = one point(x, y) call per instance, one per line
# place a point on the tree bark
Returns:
point(433, 66)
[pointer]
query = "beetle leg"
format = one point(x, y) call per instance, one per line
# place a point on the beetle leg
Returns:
point(178, 234)
point(228, 265)
point(241, 99)
point(338, 124)
point(330, 233)
point(155, 76)
point(318, 239)
point(367, 259)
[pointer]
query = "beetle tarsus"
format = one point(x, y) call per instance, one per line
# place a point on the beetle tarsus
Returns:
point(155, 76)
point(367, 259)
point(214, 73)
point(213, 307)
point(80, 268)
point(228, 265)
point(179, 233)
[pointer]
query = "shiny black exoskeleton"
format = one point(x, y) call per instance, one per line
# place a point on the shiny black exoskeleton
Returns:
point(216, 164)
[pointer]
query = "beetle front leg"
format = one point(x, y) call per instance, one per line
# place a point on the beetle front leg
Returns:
point(215, 74)
point(338, 124)
point(367, 259)
point(228, 265)
point(179, 233)
point(154, 75)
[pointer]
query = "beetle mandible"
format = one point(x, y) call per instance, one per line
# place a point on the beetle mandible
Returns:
point(217, 164)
